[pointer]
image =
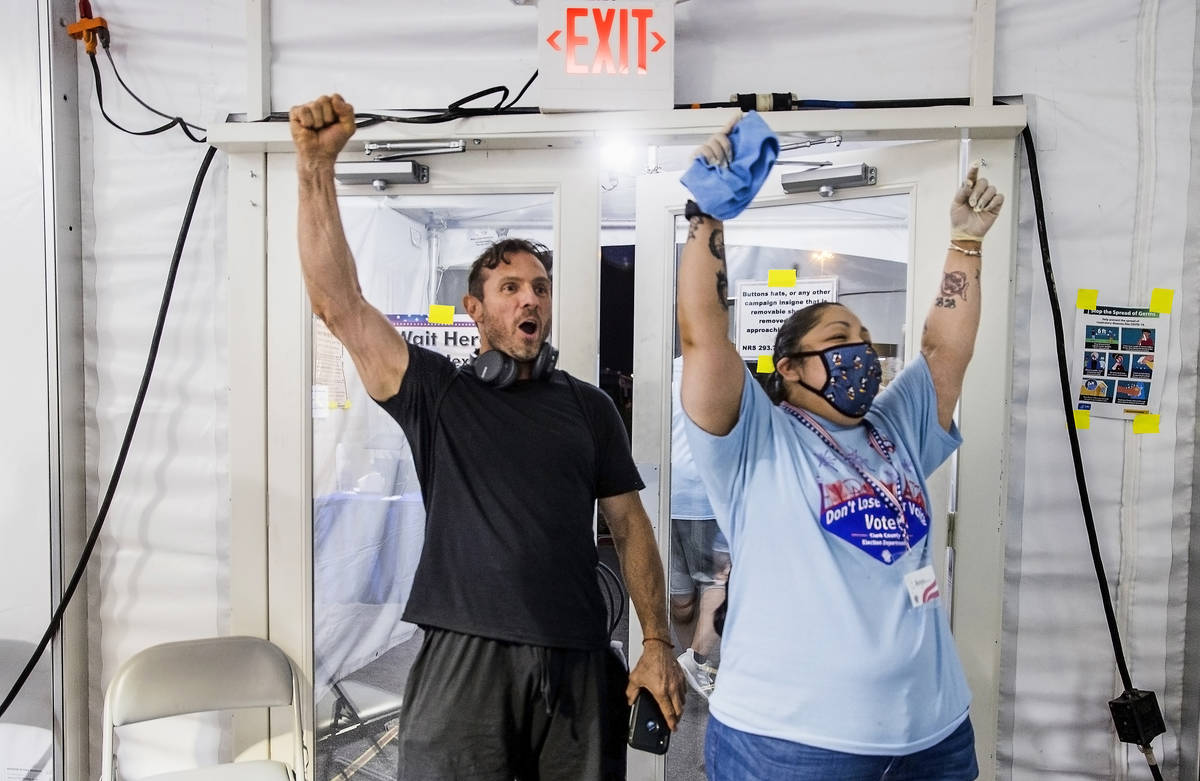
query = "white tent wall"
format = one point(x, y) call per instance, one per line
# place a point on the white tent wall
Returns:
point(1111, 106)
point(1112, 115)
point(161, 570)
point(1187, 484)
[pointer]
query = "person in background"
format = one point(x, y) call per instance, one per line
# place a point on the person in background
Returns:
point(512, 456)
point(837, 658)
point(699, 565)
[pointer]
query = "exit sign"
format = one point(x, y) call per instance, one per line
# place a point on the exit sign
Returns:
point(597, 55)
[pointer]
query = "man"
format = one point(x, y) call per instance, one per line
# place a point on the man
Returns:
point(509, 681)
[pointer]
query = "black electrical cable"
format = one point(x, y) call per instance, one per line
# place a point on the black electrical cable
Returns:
point(102, 35)
point(461, 102)
point(817, 104)
point(523, 89)
point(1073, 435)
point(812, 104)
point(175, 122)
point(147, 373)
point(456, 110)
point(112, 63)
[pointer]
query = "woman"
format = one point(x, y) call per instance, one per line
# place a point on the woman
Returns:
point(837, 659)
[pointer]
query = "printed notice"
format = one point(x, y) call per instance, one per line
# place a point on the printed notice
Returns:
point(761, 308)
point(1117, 370)
point(458, 340)
point(327, 370)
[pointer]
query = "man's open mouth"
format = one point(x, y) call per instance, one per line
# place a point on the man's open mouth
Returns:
point(529, 327)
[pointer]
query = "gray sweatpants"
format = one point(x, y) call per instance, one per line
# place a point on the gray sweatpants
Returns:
point(485, 709)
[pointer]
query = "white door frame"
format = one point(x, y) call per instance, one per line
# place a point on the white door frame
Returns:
point(269, 351)
point(270, 371)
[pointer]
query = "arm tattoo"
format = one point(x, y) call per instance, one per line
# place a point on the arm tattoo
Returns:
point(716, 244)
point(692, 225)
point(954, 285)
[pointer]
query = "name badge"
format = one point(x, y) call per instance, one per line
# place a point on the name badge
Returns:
point(922, 586)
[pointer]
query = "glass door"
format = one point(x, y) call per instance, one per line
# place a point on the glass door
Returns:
point(413, 251)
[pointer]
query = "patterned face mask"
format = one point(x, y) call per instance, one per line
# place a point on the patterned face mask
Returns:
point(853, 377)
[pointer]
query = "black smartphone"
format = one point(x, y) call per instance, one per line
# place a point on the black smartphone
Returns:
point(648, 729)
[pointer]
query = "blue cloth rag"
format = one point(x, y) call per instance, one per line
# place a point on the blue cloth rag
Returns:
point(724, 192)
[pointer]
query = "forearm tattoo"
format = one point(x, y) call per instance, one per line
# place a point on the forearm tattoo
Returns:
point(716, 245)
point(954, 286)
point(692, 225)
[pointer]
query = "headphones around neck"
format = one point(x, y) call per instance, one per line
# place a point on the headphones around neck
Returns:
point(499, 369)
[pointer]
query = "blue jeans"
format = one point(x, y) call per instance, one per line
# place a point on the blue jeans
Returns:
point(733, 755)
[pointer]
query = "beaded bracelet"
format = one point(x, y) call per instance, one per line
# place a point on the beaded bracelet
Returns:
point(973, 252)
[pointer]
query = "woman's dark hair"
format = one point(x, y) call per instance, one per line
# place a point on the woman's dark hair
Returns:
point(790, 333)
point(497, 253)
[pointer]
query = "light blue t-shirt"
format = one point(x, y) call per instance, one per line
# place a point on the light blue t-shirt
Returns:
point(822, 643)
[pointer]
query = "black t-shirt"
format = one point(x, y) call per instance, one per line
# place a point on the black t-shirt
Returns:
point(509, 477)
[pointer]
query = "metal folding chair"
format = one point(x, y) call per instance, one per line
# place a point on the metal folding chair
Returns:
point(196, 676)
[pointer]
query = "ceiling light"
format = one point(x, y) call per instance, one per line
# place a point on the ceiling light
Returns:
point(619, 154)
